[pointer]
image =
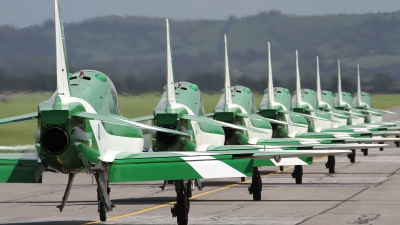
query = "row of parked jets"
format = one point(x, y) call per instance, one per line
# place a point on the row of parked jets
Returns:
point(80, 129)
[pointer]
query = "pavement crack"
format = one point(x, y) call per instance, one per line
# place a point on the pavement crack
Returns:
point(335, 206)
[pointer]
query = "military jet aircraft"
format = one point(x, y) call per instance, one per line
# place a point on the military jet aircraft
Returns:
point(81, 130)
point(236, 106)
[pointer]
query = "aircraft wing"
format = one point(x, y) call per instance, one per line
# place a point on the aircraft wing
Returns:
point(20, 168)
point(331, 113)
point(143, 118)
point(125, 122)
point(257, 117)
point(29, 116)
point(304, 115)
point(383, 111)
point(218, 163)
point(220, 123)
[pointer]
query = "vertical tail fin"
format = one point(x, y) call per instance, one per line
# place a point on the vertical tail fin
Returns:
point(358, 86)
point(298, 86)
point(61, 54)
point(170, 72)
point(270, 80)
point(228, 94)
point(340, 95)
point(319, 97)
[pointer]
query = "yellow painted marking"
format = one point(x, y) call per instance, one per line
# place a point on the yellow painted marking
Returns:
point(193, 197)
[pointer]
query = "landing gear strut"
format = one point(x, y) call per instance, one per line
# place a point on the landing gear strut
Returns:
point(352, 156)
point(298, 174)
point(330, 164)
point(381, 149)
point(103, 194)
point(365, 151)
point(182, 206)
point(256, 185)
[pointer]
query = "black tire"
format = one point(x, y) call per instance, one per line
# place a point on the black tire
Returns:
point(189, 188)
point(102, 211)
point(381, 149)
point(281, 168)
point(352, 156)
point(365, 151)
point(331, 164)
point(243, 179)
point(397, 144)
point(298, 172)
point(183, 207)
point(257, 188)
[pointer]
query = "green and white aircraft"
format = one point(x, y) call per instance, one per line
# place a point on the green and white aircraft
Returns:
point(310, 102)
point(81, 130)
point(236, 106)
point(277, 104)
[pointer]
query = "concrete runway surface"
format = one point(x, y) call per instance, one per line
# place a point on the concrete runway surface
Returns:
point(366, 192)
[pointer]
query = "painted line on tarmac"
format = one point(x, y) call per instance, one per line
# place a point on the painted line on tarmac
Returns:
point(193, 197)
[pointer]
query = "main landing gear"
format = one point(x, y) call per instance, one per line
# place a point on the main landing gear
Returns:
point(397, 143)
point(352, 156)
point(103, 194)
point(365, 151)
point(330, 164)
point(381, 149)
point(182, 206)
point(298, 174)
point(256, 185)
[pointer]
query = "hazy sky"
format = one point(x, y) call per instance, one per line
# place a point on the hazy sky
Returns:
point(21, 13)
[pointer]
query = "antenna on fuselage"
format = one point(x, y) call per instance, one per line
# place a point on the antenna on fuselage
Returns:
point(270, 80)
point(298, 86)
point(228, 93)
point(61, 54)
point(358, 86)
point(340, 97)
point(319, 96)
point(170, 72)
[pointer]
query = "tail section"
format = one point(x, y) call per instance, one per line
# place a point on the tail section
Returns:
point(340, 94)
point(319, 96)
point(228, 93)
point(170, 72)
point(61, 54)
point(270, 80)
point(298, 86)
point(358, 86)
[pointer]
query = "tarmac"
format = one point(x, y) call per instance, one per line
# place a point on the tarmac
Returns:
point(366, 192)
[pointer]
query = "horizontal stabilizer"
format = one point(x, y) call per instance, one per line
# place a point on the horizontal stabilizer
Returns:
point(143, 118)
point(18, 148)
point(257, 117)
point(330, 113)
point(220, 123)
point(304, 115)
point(29, 116)
point(125, 122)
point(383, 111)
point(19, 168)
point(347, 112)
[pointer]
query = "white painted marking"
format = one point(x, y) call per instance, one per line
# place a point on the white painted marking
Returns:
point(212, 168)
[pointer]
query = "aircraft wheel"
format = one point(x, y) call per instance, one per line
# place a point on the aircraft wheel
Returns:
point(381, 149)
point(243, 179)
point(189, 190)
point(330, 164)
point(397, 143)
point(102, 211)
point(298, 174)
point(365, 151)
point(281, 168)
point(256, 185)
point(352, 156)
point(182, 212)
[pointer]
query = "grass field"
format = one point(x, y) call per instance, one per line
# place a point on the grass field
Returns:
point(22, 133)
